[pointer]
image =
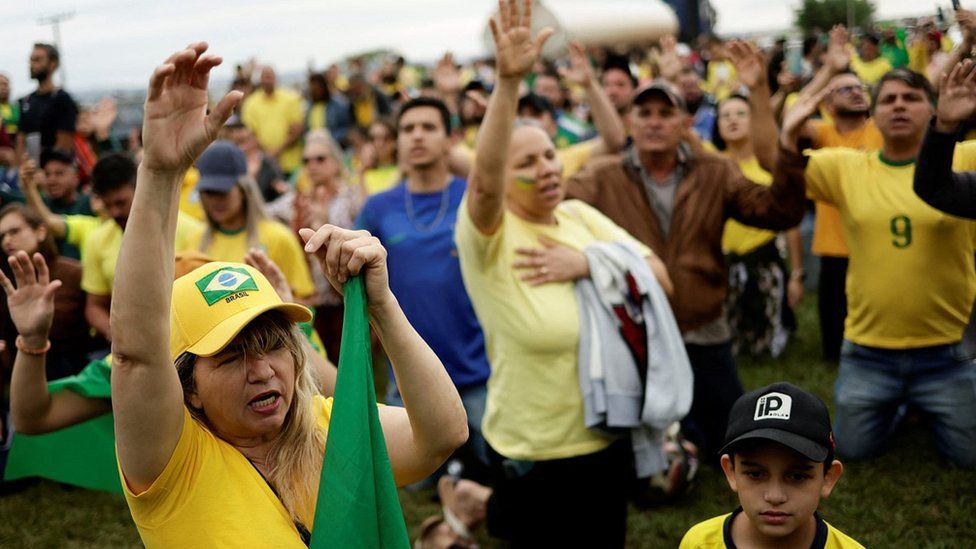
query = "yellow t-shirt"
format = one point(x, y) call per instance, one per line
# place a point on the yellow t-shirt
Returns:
point(741, 239)
point(101, 251)
point(828, 233)
point(870, 71)
point(380, 179)
point(911, 278)
point(209, 495)
point(534, 409)
point(190, 197)
point(77, 229)
point(270, 117)
point(710, 534)
point(278, 242)
point(317, 117)
point(719, 79)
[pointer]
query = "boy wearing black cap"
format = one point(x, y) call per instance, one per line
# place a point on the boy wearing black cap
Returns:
point(779, 458)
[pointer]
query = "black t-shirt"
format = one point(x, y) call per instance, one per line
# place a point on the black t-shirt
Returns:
point(46, 114)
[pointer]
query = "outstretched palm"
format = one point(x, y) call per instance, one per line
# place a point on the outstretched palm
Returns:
point(31, 303)
point(515, 50)
point(749, 63)
point(176, 127)
point(958, 98)
point(580, 71)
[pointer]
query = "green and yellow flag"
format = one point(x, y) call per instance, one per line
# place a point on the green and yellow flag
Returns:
point(357, 502)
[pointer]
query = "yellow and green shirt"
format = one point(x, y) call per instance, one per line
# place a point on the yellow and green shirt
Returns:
point(911, 279)
point(741, 239)
point(716, 533)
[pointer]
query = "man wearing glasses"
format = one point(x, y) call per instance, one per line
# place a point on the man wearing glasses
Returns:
point(850, 125)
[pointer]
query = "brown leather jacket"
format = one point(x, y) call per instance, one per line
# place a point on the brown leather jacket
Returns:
point(712, 190)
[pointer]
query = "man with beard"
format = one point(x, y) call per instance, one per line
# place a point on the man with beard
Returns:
point(114, 183)
point(48, 115)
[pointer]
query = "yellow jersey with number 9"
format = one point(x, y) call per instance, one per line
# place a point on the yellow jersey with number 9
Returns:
point(911, 279)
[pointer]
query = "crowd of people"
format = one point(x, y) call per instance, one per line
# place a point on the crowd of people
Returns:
point(568, 253)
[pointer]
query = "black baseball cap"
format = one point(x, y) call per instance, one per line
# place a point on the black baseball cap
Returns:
point(221, 165)
point(783, 413)
point(660, 88)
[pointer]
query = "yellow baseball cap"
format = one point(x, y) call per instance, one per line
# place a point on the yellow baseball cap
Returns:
point(214, 302)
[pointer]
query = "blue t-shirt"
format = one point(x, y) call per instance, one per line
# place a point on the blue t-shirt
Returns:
point(425, 274)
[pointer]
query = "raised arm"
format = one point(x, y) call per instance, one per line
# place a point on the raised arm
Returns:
point(837, 60)
point(935, 182)
point(967, 24)
point(515, 54)
point(432, 423)
point(750, 65)
point(28, 182)
point(31, 305)
point(146, 393)
point(612, 134)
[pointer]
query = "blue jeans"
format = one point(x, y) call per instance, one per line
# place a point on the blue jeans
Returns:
point(874, 385)
point(473, 398)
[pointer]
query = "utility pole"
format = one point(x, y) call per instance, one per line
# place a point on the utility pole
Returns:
point(55, 22)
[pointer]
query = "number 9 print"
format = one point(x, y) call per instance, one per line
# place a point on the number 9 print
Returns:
point(901, 229)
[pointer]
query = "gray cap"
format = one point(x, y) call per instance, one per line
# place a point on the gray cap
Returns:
point(660, 88)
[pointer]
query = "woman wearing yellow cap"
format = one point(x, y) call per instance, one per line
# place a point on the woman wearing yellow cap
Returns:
point(226, 448)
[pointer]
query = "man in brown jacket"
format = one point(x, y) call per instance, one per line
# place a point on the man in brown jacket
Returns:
point(675, 197)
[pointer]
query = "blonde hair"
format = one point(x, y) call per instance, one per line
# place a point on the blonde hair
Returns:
point(253, 214)
point(324, 138)
point(295, 457)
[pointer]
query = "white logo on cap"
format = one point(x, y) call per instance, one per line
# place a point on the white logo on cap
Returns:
point(773, 406)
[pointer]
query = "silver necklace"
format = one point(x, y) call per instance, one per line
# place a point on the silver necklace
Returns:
point(441, 213)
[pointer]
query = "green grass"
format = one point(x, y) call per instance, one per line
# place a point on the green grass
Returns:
point(910, 497)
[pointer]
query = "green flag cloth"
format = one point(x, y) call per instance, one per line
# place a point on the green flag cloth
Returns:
point(83, 454)
point(357, 503)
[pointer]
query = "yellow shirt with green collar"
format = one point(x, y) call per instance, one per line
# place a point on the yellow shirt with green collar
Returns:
point(210, 495)
point(77, 229)
point(911, 279)
point(715, 533)
point(101, 251)
point(277, 240)
point(535, 408)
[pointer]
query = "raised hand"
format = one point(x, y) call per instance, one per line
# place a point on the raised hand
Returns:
point(958, 98)
point(838, 58)
point(750, 64)
point(515, 50)
point(103, 116)
point(29, 173)
point(446, 76)
point(580, 72)
point(967, 23)
point(343, 253)
point(256, 258)
point(794, 118)
point(668, 61)
point(31, 302)
point(176, 127)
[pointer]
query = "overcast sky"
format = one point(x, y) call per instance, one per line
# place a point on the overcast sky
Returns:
point(108, 43)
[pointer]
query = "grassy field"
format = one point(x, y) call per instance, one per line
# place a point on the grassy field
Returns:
point(907, 498)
